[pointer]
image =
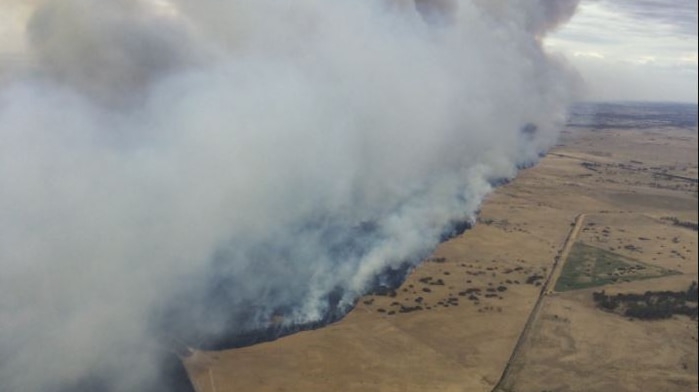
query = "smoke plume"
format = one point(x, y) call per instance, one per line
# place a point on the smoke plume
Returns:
point(188, 169)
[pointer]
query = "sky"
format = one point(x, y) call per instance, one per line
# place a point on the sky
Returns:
point(628, 50)
point(632, 50)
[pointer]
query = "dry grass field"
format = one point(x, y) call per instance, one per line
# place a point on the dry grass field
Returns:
point(454, 323)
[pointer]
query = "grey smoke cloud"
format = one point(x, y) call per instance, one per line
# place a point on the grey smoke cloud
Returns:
point(208, 165)
point(536, 17)
point(106, 49)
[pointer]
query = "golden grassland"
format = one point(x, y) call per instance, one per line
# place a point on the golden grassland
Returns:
point(466, 314)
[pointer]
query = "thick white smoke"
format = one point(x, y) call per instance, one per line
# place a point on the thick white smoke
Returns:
point(200, 165)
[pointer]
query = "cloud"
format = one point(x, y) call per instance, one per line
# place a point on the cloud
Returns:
point(200, 169)
point(647, 44)
point(589, 54)
point(678, 15)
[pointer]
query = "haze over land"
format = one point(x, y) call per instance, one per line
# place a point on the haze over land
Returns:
point(192, 169)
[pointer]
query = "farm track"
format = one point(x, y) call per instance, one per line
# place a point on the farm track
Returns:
point(546, 289)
